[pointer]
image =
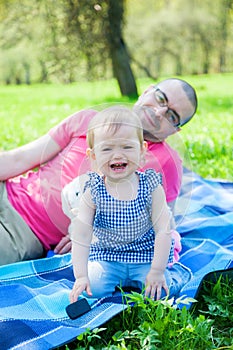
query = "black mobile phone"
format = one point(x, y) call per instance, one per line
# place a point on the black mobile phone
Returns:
point(78, 308)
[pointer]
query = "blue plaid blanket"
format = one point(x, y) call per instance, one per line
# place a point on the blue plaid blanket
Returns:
point(34, 294)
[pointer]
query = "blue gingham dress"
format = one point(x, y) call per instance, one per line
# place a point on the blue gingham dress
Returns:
point(123, 228)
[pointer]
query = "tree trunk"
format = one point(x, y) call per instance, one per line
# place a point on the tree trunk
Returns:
point(27, 73)
point(118, 51)
point(227, 6)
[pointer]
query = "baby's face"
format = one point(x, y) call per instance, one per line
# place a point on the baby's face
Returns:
point(117, 154)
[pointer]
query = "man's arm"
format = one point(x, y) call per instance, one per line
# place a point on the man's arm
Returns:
point(19, 160)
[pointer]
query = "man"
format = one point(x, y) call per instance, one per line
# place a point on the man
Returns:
point(31, 216)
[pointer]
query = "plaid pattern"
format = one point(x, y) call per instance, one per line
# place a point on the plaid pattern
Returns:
point(34, 294)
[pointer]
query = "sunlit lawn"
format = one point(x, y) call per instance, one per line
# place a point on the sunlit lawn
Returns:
point(206, 143)
point(209, 136)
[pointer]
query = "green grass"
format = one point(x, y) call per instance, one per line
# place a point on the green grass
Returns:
point(206, 143)
point(216, 302)
point(208, 137)
point(27, 112)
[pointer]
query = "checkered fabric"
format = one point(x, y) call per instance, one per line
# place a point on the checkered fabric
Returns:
point(124, 228)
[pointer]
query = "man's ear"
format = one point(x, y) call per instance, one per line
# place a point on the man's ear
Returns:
point(90, 153)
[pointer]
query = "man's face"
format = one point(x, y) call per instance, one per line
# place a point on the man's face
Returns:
point(162, 109)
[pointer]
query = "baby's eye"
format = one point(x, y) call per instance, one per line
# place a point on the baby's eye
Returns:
point(106, 149)
point(128, 147)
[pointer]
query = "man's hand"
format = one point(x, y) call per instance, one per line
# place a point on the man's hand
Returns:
point(64, 246)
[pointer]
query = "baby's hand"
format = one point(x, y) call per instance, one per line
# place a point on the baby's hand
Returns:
point(155, 281)
point(80, 285)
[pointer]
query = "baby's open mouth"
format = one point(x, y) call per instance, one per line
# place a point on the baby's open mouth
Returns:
point(116, 166)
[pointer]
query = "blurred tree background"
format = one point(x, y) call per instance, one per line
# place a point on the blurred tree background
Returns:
point(64, 41)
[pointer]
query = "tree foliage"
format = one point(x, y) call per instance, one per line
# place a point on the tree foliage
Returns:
point(181, 36)
point(71, 40)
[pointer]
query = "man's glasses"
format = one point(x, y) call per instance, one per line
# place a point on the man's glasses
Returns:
point(171, 115)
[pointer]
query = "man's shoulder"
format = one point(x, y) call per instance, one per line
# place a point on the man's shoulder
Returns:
point(162, 150)
point(81, 118)
point(72, 126)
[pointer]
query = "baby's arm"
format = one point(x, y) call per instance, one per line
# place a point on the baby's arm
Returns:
point(155, 279)
point(81, 235)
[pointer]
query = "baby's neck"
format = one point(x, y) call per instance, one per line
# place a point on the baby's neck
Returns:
point(123, 189)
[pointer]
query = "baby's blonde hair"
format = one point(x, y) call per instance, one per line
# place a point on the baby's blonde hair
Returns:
point(111, 119)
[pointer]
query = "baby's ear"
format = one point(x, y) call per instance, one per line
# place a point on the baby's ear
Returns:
point(90, 153)
point(144, 148)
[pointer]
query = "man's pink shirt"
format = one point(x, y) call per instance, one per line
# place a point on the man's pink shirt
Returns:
point(37, 195)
